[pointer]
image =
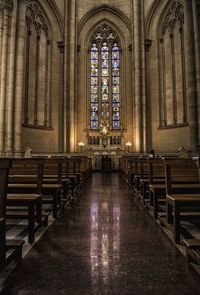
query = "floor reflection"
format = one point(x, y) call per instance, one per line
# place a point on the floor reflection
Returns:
point(105, 241)
point(94, 243)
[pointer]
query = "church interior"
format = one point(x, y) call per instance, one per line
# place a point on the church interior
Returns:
point(99, 147)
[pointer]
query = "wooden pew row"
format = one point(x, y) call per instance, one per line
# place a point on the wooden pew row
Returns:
point(184, 201)
point(53, 182)
point(9, 249)
point(51, 189)
point(157, 182)
point(24, 199)
point(172, 185)
point(193, 245)
point(181, 180)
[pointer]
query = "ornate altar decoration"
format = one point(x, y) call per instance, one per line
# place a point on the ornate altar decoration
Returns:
point(104, 128)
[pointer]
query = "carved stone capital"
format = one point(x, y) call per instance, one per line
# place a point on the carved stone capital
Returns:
point(6, 6)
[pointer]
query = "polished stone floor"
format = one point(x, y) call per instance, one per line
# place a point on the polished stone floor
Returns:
point(104, 244)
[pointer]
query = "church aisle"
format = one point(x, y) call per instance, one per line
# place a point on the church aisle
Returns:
point(104, 245)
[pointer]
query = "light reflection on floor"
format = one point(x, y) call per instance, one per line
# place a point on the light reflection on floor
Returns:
point(105, 241)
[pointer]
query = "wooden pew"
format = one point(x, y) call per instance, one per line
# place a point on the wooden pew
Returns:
point(75, 175)
point(54, 186)
point(193, 245)
point(25, 190)
point(9, 249)
point(132, 163)
point(48, 189)
point(157, 187)
point(192, 250)
point(141, 175)
point(183, 181)
point(182, 189)
point(124, 166)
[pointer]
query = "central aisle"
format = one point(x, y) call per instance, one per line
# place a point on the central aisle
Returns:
point(105, 244)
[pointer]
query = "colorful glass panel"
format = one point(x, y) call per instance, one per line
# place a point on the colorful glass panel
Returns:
point(94, 107)
point(105, 79)
point(105, 82)
point(115, 87)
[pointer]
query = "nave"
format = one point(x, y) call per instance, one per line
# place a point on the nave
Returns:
point(104, 243)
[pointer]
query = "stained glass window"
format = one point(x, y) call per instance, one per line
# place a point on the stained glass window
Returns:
point(94, 87)
point(115, 87)
point(105, 79)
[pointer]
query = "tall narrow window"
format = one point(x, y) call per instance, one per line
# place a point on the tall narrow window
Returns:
point(105, 79)
point(94, 87)
point(115, 88)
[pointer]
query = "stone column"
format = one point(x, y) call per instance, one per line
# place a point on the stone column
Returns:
point(63, 105)
point(137, 74)
point(71, 74)
point(5, 7)
point(11, 79)
point(196, 9)
point(148, 43)
point(143, 81)
point(191, 83)
point(19, 78)
point(65, 79)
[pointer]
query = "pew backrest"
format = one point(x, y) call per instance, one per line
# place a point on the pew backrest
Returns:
point(180, 170)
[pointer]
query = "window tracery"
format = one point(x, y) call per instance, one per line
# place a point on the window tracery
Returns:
point(173, 108)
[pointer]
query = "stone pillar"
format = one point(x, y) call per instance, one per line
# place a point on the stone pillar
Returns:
point(196, 17)
point(148, 44)
point(143, 81)
point(47, 116)
point(19, 78)
point(11, 79)
point(5, 7)
point(137, 75)
point(65, 79)
point(63, 105)
point(191, 83)
point(71, 74)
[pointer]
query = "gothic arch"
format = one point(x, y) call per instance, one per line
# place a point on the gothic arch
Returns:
point(51, 9)
point(103, 14)
point(150, 15)
point(103, 8)
point(47, 74)
point(166, 63)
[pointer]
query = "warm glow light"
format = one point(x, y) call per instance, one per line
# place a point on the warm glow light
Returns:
point(81, 143)
point(128, 143)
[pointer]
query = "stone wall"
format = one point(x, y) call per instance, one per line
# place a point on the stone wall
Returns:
point(160, 88)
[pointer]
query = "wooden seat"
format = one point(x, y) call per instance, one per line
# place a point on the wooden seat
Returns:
point(9, 249)
point(26, 190)
point(192, 250)
point(183, 179)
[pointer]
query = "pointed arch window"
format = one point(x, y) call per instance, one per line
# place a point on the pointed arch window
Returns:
point(105, 102)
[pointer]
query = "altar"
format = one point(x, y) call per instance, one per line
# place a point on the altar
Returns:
point(105, 147)
point(105, 159)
